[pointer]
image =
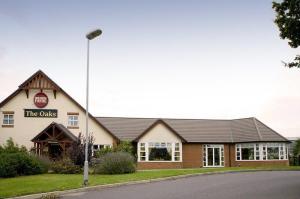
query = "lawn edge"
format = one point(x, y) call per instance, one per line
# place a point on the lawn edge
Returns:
point(103, 186)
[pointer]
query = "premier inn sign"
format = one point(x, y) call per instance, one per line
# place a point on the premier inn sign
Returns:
point(48, 113)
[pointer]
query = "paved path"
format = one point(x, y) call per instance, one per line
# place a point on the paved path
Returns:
point(248, 185)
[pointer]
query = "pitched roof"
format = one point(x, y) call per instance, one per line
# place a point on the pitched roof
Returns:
point(196, 130)
point(61, 127)
point(49, 84)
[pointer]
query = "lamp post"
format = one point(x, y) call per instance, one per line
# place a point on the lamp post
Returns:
point(89, 36)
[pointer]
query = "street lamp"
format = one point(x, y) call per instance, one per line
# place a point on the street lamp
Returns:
point(89, 36)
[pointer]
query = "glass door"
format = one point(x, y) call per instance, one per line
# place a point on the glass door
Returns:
point(213, 155)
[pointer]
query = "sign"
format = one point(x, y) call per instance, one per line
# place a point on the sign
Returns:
point(40, 100)
point(48, 113)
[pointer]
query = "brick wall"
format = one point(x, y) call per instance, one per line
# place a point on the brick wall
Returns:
point(192, 155)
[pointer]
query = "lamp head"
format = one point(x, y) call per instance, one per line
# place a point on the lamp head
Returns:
point(93, 34)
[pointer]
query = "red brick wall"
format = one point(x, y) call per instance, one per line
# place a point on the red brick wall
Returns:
point(192, 155)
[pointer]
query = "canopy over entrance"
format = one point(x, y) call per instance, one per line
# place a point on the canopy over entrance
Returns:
point(53, 141)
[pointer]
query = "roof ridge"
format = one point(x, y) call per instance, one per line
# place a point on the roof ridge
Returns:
point(231, 132)
point(272, 130)
point(257, 129)
point(162, 118)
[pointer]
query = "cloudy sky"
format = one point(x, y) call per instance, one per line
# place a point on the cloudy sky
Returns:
point(178, 59)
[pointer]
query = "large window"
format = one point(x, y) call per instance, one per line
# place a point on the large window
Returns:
point(159, 151)
point(8, 119)
point(261, 151)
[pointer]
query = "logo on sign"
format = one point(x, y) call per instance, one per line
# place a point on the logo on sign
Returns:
point(40, 100)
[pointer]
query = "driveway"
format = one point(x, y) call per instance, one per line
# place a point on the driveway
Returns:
point(247, 185)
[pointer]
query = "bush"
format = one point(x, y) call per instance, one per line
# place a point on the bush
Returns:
point(15, 164)
point(65, 166)
point(11, 147)
point(100, 153)
point(124, 146)
point(115, 163)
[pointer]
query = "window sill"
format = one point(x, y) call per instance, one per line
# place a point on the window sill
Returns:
point(8, 126)
point(73, 127)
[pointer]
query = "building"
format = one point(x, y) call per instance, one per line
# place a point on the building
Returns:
point(42, 116)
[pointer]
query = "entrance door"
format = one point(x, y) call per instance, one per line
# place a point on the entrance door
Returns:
point(55, 151)
point(213, 155)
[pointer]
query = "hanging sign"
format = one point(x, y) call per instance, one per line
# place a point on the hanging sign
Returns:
point(40, 100)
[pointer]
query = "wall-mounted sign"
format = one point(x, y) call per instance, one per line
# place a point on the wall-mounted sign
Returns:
point(49, 113)
point(40, 100)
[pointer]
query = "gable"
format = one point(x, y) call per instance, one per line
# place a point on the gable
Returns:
point(27, 127)
point(159, 133)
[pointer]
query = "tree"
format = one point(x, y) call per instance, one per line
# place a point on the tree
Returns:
point(288, 21)
point(77, 151)
point(296, 148)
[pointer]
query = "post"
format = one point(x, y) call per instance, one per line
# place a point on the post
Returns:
point(86, 163)
point(89, 37)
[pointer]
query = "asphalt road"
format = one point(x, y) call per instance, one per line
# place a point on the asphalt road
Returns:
point(249, 185)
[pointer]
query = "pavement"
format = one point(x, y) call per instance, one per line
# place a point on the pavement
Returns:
point(244, 185)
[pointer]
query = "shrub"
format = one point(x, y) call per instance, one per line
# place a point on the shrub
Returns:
point(65, 166)
point(103, 151)
point(14, 164)
point(77, 151)
point(124, 146)
point(116, 163)
point(11, 147)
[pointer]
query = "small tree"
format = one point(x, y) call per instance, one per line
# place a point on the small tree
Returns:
point(77, 150)
point(124, 146)
point(296, 148)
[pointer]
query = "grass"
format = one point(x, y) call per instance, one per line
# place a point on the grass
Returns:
point(10, 187)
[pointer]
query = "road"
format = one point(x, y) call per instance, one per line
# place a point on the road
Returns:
point(247, 185)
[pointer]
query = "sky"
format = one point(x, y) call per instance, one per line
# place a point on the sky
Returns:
point(163, 59)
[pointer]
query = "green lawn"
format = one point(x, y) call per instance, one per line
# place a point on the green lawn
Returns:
point(10, 187)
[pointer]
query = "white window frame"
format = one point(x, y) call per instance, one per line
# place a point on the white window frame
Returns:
point(10, 119)
point(72, 120)
point(205, 155)
point(146, 151)
point(263, 151)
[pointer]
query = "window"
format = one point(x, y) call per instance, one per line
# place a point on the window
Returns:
point(142, 152)
point(177, 154)
point(261, 151)
point(159, 151)
point(8, 119)
point(273, 151)
point(73, 120)
point(213, 155)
